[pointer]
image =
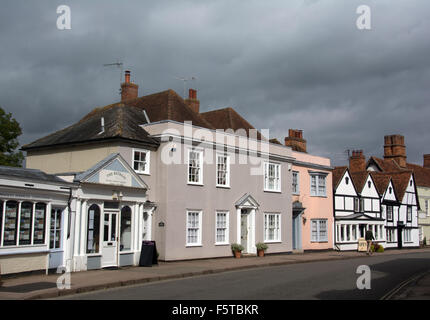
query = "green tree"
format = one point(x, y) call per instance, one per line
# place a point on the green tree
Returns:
point(9, 132)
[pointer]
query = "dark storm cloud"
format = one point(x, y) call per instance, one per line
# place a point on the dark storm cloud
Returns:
point(281, 64)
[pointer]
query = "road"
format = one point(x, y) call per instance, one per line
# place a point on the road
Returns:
point(316, 280)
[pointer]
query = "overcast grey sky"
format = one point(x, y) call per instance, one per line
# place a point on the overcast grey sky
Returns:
point(281, 64)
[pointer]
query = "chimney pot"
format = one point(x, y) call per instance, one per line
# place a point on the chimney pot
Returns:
point(395, 149)
point(357, 162)
point(129, 90)
point(192, 101)
point(295, 140)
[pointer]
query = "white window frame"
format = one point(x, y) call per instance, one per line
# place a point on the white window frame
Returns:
point(227, 228)
point(200, 163)
point(426, 204)
point(147, 161)
point(297, 190)
point(407, 235)
point(319, 238)
point(317, 176)
point(227, 177)
point(409, 213)
point(277, 228)
point(277, 181)
point(198, 243)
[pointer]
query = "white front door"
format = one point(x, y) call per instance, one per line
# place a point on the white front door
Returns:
point(110, 240)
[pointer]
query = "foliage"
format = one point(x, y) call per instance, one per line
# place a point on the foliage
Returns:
point(9, 132)
point(261, 246)
point(237, 247)
point(377, 248)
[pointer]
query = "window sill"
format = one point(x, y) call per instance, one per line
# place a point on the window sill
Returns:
point(273, 191)
point(323, 241)
point(195, 184)
point(272, 241)
point(193, 245)
point(94, 254)
point(222, 244)
point(126, 252)
point(143, 173)
point(317, 196)
point(222, 186)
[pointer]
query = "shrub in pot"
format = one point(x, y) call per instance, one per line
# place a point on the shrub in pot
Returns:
point(261, 247)
point(237, 249)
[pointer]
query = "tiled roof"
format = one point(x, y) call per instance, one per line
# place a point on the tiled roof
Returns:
point(359, 179)
point(123, 121)
point(400, 181)
point(31, 174)
point(275, 141)
point(421, 174)
point(386, 164)
point(228, 118)
point(338, 173)
point(381, 180)
point(119, 122)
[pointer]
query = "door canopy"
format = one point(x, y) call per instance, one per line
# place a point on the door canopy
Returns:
point(247, 202)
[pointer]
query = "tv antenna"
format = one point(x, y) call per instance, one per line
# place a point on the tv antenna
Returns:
point(185, 82)
point(119, 65)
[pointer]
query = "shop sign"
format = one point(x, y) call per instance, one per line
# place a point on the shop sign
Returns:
point(362, 244)
point(115, 177)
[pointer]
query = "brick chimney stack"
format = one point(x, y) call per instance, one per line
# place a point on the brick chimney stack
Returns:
point(357, 162)
point(129, 90)
point(192, 101)
point(295, 140)
point(426, 163)
point(394, 148)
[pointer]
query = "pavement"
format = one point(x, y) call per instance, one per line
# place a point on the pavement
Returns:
point(28, 287)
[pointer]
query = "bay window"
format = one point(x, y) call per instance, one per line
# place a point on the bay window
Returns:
point(318, 184)
point(55, 232)
point(319, 231)
point(93, 229)
point(25, 223)
point(125, 235)
point(10, 223)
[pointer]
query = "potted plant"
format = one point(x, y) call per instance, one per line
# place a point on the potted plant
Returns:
point(261, 247)
point(237, 249)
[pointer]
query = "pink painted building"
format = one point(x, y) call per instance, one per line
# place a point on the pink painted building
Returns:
point(312, 197)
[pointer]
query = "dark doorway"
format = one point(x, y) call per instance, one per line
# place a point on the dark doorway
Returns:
point(399, 237)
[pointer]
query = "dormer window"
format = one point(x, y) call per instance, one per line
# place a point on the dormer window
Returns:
point(347, 180)
point(390, 190)
point(369, 184)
